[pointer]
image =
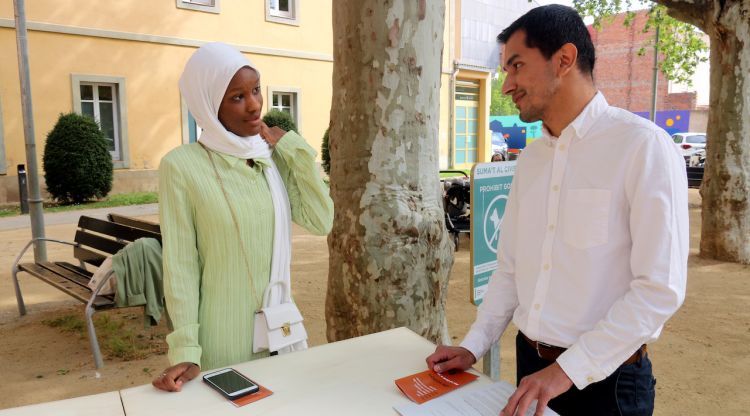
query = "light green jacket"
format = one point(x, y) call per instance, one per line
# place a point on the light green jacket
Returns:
point(206, 283)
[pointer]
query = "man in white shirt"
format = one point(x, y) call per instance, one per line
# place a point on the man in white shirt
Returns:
point(592, 258)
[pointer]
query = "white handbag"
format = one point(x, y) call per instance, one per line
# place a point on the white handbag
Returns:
point(280, 325)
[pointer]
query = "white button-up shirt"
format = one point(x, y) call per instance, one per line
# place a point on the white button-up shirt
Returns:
point(594, 243)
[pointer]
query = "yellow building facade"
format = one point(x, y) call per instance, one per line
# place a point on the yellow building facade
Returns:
point(120, 62)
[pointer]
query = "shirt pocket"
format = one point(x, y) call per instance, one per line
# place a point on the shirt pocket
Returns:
point(586, 217)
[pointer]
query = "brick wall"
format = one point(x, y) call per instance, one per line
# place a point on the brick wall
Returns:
point(680, 101)
point(623, 76)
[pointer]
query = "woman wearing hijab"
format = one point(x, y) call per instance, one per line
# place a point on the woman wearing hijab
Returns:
point(226, 204)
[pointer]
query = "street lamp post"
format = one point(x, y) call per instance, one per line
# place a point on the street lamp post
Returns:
point(656, 69)
point(35, 198)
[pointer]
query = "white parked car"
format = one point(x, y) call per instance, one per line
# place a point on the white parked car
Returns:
point(689, 143)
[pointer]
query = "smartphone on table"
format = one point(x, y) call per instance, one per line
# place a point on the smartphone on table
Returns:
point(230, 383)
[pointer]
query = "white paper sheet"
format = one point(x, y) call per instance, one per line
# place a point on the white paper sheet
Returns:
point(487, 400)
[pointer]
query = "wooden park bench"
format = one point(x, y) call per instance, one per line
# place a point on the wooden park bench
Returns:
point(94, 240)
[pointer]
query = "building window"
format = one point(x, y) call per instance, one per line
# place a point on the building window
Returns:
point(286, 99)
point(283, 11)
point(103, 99)
point(98, 102)
point(283, 101)
point(211, 6)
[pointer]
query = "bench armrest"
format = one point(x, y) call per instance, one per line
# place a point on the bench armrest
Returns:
point(34, 240)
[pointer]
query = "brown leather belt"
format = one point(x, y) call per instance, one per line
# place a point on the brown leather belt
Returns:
point(551, 352)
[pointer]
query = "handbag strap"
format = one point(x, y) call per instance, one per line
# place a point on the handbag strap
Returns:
point(236, 226)
point(286, 296)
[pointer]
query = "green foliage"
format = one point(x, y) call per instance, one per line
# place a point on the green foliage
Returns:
point(9, 211)
point(120, 335)
point(325, 155)
point(681, 45)
point(116, 200)
point(501, 104)
point(77, 163)
point(67, 323)
point(281, 119)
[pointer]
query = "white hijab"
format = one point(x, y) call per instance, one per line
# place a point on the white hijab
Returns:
point(203, 83)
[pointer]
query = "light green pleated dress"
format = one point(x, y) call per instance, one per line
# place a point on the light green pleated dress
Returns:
point(206, 282)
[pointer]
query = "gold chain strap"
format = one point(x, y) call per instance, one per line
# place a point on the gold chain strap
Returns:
point(236, 226)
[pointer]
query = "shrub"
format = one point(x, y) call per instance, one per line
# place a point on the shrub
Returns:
point(324, 153)
point(77, 163)
point(281, 119)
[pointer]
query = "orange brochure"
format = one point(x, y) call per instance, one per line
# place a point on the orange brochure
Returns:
point(262, 393)
point(428, 385)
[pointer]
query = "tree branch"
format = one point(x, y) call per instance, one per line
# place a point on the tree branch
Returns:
point(695, 12)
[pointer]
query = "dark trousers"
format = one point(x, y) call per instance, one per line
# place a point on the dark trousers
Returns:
point(629, 391)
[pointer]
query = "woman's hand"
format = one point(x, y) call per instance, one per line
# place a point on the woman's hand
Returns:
point(175, 376)
point(271, 135)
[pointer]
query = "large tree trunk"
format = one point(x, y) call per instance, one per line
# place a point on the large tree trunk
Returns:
point(726, 188)
point(725, 233)
point(390, 255)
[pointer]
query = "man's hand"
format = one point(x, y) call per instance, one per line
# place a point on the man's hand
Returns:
point(271, 135)
point(175, 376)
point(447, 358)
point(544, 385)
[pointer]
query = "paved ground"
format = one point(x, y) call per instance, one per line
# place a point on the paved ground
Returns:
point(71, 217)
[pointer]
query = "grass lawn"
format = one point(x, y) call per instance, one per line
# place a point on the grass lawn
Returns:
point(117, 200)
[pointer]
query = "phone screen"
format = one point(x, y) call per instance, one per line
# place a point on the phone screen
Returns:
point(231, 383)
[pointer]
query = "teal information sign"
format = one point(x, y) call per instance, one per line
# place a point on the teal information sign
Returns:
point(490, 185)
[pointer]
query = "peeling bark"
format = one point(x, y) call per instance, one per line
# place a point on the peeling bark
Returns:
point(725, 231)
point(390, 254)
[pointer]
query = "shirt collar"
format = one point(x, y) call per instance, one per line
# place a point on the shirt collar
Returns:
point(581, 125)
point(590, 114)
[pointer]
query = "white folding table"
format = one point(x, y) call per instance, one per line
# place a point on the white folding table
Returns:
point(351, 377)
point(104, 404)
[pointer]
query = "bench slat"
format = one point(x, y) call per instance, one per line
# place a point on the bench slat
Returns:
point(135, 223)
point(74, 268)
point(97, 242)
point(72, 289)
point(120, 231)
point(88, 256)
point(74, 277)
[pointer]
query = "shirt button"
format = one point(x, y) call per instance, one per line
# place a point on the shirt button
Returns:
point(555, 188)
point(590, 379)
point(551, 227)
point(561, 147)
point(546, 267)
point(537, 306)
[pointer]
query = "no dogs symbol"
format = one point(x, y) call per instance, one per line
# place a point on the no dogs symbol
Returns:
point(492, 221)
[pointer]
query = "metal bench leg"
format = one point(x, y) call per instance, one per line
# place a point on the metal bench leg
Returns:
point(19, 296)
point(16, 286)
point(90, 320)
point(92, 337)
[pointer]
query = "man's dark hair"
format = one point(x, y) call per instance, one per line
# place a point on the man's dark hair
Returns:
point(550, 27)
